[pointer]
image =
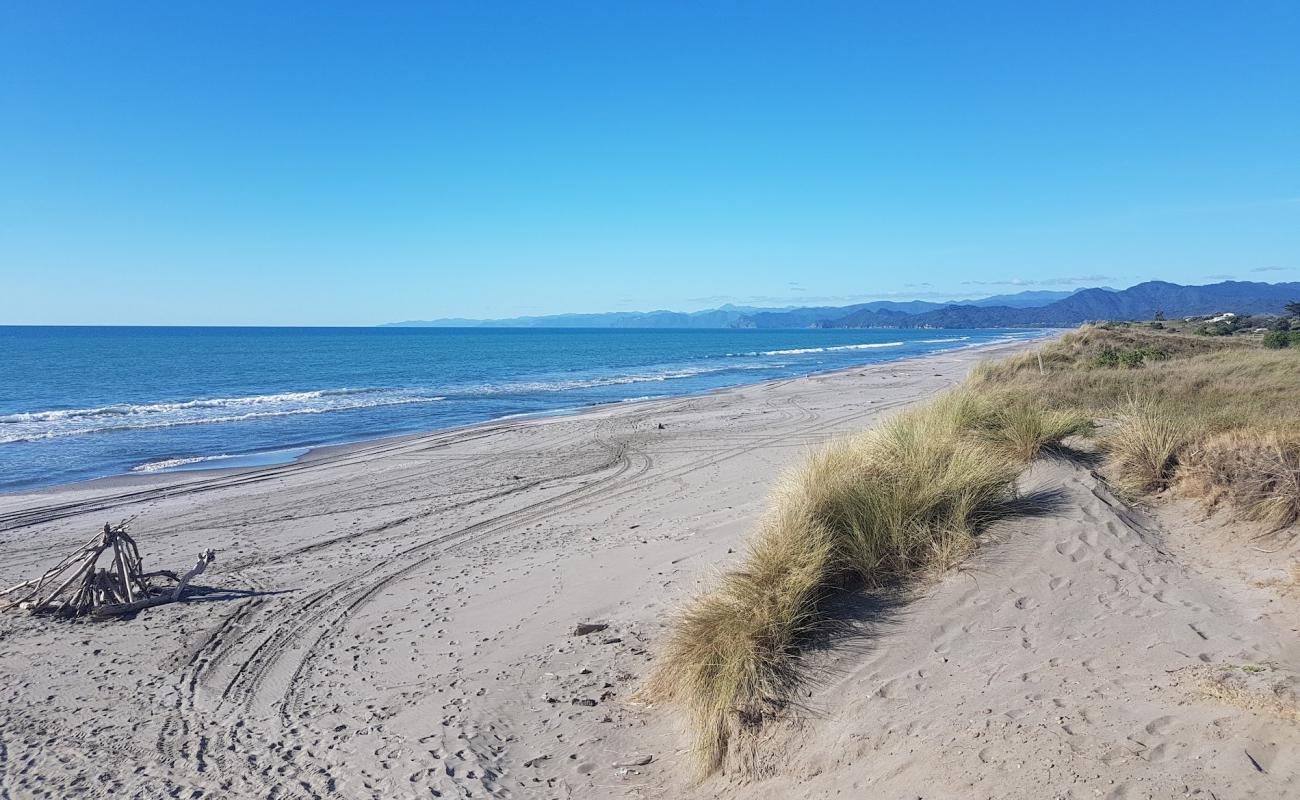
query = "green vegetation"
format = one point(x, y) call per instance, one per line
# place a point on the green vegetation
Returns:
point(1277, 340)
point(1211, 417)
point(1130, 358)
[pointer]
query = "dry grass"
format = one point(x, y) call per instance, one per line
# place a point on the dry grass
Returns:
point(1260, 688)
point(730, 661)
point(1216, 417)
point(1142, 449)
point(1022, 430)
point(904, 498)
point(1256, 473)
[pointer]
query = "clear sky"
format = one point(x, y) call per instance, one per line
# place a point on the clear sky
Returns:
point(333, 163)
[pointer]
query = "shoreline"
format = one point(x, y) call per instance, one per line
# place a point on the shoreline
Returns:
point(399, 619)
point(340, 449)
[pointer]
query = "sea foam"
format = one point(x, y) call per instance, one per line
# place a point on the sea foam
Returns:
point(35, 425)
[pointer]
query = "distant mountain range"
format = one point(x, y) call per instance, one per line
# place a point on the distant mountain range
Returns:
point(1030, 309)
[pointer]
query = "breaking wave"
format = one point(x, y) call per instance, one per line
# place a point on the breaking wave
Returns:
point(830, 349)
point(33, 425)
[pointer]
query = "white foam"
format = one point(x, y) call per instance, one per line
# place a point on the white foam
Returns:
point(36, 425)
point(173, 463)
point(833, 348)
point(524, 387)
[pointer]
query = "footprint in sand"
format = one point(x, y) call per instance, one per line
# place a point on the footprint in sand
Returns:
point(1118, 559)
point(943, 637)
point(1072, 551)
point(1026, 603)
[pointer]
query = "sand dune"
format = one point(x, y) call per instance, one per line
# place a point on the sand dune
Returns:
point(397, 619)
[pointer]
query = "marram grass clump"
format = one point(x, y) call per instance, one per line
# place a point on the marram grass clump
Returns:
point(901, 499)
point(1143, 448)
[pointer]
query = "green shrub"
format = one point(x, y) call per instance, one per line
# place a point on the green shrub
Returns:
point(1276, 340)
point(1108, 358)
point(1131, 358)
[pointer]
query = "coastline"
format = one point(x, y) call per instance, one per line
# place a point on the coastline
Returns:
point(310, 453)
point(397, 618)
point(405, 607)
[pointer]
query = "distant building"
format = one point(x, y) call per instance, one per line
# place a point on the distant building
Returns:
point(1211, 319)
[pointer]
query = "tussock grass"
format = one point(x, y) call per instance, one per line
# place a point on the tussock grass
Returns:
point(904, 498)
point(1022, 430)
point(1142, 450)
point(731, 660)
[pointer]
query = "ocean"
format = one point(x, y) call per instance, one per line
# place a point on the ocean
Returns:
point(84, 402)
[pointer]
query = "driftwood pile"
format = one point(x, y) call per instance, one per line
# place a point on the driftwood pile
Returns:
point(78, 585)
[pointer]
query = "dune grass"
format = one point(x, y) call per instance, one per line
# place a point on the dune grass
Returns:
point(1143, 448)
point(1214, 417)
point(904, 498)
point(1258, 474)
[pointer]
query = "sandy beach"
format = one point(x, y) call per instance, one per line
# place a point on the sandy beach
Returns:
point(397, 619)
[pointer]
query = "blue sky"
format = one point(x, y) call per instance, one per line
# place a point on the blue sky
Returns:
point(332, 163)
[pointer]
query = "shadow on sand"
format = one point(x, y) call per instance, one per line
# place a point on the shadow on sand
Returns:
point(854, 618)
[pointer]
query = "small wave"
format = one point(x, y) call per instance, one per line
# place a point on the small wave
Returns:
point(831, 349)
point(943, 341)
point(526, 387)
point(173, 463)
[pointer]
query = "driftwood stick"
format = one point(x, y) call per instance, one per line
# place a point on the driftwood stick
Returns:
point(110, 592)
point(49, 575)
point(134, 552)
point(120, 558)
point(73, 601)
point(16, 587)
point(134, 565)
point(118, 609)
point(79, 573)
point(69, 560)
point(86, 567)
point(205, 558)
